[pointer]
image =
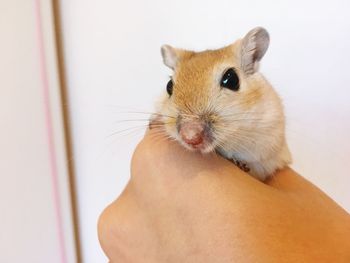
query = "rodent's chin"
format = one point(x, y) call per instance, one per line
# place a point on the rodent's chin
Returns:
point(204, 147)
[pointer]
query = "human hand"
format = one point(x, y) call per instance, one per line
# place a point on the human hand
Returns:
point(182, 206)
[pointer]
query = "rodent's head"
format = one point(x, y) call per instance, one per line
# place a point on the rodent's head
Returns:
point(217, 97)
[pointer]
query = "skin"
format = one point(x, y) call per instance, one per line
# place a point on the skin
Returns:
point(181, 206)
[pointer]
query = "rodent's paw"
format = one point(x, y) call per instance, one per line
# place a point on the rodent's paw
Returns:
point(241, 165)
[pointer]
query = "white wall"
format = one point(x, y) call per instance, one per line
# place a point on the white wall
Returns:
point(113, 65)
point(35, 213)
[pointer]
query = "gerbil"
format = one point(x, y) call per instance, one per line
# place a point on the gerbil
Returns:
point(217, 100)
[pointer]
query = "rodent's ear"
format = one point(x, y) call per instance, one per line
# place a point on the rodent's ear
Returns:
point(253, 48)
point(170, 56)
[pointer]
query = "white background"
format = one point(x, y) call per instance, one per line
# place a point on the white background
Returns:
point(113, 65)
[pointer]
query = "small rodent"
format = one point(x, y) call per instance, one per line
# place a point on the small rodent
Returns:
point(217, 100)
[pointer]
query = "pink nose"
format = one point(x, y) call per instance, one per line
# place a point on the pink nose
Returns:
point(192, 133)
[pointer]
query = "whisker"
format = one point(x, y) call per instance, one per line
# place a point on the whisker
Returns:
point(130, 120)
point(125, 130)
point(154, 125)
point(148, 113)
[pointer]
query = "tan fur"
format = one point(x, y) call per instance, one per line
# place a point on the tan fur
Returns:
point(247, 125)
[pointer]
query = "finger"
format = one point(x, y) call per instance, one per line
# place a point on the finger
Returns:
point(289, 180)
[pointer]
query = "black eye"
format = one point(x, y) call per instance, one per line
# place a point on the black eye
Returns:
point(169, 87)
point(230, 80)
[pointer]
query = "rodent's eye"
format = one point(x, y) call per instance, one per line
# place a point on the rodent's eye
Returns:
point(230, 80)
point(169, 87)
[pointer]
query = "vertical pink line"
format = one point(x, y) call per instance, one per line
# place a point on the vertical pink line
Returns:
point(50, 134)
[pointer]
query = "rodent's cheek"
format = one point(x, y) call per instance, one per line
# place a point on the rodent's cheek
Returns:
point(170, 128)
point(169, 114)
point(227, 126)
